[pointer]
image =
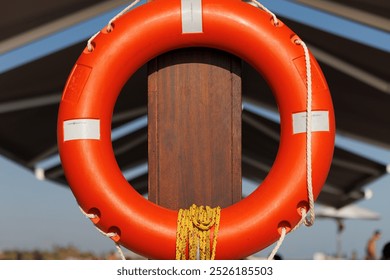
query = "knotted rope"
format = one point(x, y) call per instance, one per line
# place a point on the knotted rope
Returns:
point(194, 230)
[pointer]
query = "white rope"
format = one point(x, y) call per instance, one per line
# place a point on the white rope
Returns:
point(309, 179)
point(278, 244)
point(89, 216)
point(107, 234)
point(261, 6)
point(302, 220)
point(284, 233)
point(110, 26)
point(120, 251)
point(89, 42)
point(121, 13)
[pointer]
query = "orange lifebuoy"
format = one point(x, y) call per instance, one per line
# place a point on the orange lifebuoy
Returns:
point(84, 125)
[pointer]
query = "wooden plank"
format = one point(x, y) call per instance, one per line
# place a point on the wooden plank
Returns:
point(194, 128)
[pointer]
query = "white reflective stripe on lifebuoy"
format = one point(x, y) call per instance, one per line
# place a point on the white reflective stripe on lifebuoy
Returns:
point(191, 16)
point(320, 121)
point(78, 129)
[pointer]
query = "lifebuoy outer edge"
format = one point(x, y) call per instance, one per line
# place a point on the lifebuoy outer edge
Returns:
point(84, 125)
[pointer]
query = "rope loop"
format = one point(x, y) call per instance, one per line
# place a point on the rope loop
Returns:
point(284, 233)
point(202, 218)
point(107, 234)
point(89, 216)
point(110, 25)
point(261, 6)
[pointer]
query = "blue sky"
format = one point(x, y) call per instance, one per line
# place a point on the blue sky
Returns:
point(40, 214)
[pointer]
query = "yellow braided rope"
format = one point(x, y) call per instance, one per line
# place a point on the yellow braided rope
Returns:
point(194, 230)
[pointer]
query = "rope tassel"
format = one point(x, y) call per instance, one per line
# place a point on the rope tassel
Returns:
point(194, 232)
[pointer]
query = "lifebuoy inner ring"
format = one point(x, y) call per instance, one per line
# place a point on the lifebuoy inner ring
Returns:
point(84, 124)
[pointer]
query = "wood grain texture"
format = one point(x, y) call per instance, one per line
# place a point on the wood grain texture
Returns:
point(194, 128)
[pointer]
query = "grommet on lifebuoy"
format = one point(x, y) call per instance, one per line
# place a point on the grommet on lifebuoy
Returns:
point(84, 123)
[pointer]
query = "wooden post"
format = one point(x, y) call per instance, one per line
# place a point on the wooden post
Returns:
point(194, 129)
